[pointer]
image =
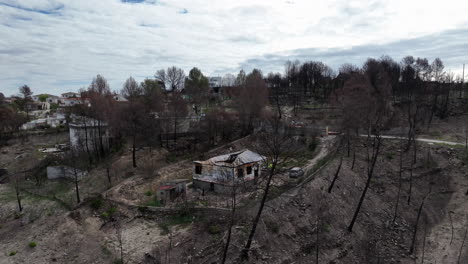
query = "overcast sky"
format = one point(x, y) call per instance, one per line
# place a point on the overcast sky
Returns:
point(56, 46)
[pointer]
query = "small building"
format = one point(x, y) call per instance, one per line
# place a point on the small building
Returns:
point(221, 173)
point(64, 172)
point(169, 191)
point(87, 134)
point(119, 98)
point(67, 102)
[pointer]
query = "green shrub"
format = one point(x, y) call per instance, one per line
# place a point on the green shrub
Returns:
point(142, 208)
point(32, 244)
point(214, 229)
point(12, 253)
point(179, 219)
point(389, 155)
point(109, 212)
point(312, 144)
point(148, 193)
point(154, 202)
point(105, 215)
point(117, 261)
point(96, 203)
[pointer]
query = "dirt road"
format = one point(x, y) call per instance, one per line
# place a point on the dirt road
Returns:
point(426, 140)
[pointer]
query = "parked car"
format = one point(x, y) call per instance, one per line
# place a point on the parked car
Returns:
point(296, 172)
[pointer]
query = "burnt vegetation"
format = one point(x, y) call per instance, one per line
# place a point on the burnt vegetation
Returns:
point(363, 197)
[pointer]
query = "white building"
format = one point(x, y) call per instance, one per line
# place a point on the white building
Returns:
point(221, 173)
point(119, 98)
point(86, 134)
point(70, 95)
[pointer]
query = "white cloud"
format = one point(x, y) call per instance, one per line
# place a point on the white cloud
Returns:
point(59, 45)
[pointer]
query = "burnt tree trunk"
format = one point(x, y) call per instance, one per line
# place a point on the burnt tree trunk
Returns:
point(400, 171)
point(134, 151)
point(231, 224)
point(18, 197)
point(76, 186)
point(336, 175)
point(413, 241)
point(375, 154)
point(259, 212)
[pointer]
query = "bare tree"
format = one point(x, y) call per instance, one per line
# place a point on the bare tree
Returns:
point(196, 87)
point(274, 82)
point(400, 172)
point(17, 190)
point(118, 234)
point(374, 90)
point(336, 175)
point(173, 77)
point(131, 89)
point(177, 108)
point(277, 146)
point(415, 230)
point(76, 159)
point(235, 187)
point(251, 100)
point(228, 80)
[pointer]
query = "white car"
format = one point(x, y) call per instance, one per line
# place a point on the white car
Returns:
point(296, 172)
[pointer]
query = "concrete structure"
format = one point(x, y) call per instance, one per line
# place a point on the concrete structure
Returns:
point(64, 172)
point(169, 191)
point(87, 133)
point(51, 99)
point(214, 81)
point(221, 173)
point(67, 102)
point(70, 95)
point(119, 98)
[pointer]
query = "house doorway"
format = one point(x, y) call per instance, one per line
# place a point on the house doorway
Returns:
point(211, 186)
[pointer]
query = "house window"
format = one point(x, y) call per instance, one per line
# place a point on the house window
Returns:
point(249, 170)
point(240, 172)
point(198, 169)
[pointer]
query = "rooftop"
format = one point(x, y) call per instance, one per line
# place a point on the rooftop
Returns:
point(234, 159)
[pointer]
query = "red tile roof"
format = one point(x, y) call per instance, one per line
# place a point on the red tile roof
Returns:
point(166, 187)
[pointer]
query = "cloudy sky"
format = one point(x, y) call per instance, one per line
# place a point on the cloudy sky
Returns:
point(59, 45)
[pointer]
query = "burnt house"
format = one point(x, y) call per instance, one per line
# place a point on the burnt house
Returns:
point(169, 191)
point(221, 173)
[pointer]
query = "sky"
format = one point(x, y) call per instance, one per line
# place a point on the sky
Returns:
point(55, 46)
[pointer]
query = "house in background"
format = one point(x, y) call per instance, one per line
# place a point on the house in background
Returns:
point(221, 173)
point(68, 102)
point(70, 95)
point(119, 98)
point(51, 99)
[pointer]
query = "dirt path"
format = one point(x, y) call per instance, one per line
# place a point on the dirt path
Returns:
point(326, 145)
point(441, 246)
point(426, 140)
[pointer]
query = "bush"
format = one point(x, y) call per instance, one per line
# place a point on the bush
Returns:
point(148, 193)
point(214, 229)
point(154, 202)
point(389, 155)
point(117, 261)
point(32, 244)
point(312, 144)
point(12, 253)
point(96, 203)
